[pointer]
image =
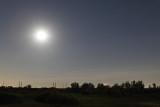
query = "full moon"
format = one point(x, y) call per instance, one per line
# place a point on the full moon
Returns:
point(41, 35)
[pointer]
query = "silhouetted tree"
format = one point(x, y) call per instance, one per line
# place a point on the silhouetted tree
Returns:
point(140, 86)
point(28, 86)
point(154, 85)
point(100, 86)
point(126, 85)
point(133, 84)
point(87, 85)
point(115, 85)
point(75, 87)
point(87, 88)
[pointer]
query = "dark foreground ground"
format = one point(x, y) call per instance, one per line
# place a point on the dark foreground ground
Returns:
point(61, 98)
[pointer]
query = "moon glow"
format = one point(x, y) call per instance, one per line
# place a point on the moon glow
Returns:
point(41, 36)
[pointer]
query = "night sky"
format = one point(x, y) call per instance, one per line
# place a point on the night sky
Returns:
point(104, 41)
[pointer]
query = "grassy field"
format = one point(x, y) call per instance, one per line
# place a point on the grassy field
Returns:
point(28, 98)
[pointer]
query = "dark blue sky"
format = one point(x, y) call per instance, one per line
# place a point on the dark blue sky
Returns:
point(92, 41)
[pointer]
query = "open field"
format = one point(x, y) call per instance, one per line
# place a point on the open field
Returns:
point(28, 97)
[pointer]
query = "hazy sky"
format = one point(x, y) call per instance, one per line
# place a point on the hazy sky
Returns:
point(90, 41)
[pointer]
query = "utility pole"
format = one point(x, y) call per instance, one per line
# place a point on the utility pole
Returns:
point(53, 85)
point(21, 84)
point(3, 83)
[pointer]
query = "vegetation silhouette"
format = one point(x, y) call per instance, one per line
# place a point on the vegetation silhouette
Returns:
point(79, 95)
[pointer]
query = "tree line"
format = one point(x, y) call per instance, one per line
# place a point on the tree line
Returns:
point(125, 88)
